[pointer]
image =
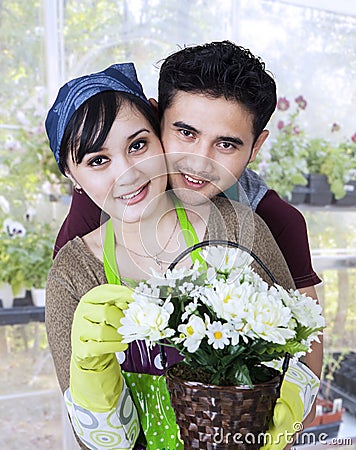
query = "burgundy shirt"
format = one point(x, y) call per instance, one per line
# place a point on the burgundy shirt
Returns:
point(286, 223)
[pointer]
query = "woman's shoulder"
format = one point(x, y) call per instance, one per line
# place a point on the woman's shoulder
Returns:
point(76, 264)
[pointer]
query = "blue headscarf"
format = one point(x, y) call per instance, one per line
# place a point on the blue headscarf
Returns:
point(118, 77)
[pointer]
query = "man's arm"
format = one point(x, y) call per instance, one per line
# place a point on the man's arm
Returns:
point(83, 217)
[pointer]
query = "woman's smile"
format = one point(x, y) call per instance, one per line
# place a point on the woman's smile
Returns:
point(136, 196)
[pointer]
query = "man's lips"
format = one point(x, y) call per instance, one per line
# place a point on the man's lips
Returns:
point(193, 181)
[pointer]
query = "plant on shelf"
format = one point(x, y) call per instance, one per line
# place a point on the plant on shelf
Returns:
point(291, 157)
point(331, 160)
point(25, 254)
point(29, 180)
point(284, 163)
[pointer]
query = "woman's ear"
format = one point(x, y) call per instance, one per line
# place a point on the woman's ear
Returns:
point(70, 176)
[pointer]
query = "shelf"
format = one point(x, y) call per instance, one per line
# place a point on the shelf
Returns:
point(21, 315)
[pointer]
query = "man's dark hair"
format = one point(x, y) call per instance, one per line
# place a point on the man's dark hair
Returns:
point(220, 69)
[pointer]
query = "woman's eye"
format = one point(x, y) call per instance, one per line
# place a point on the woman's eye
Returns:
point(97, 161)
point(137, 146)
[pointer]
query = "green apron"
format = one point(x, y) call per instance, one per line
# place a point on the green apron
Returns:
point(149, 392)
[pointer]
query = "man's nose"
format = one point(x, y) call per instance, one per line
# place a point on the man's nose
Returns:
point(201, 160)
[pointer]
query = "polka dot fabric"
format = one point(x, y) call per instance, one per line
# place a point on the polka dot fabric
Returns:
point(156, 415)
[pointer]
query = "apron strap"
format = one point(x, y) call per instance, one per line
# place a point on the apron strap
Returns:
point(109, 253)
point(109, 256)
point(190, 236)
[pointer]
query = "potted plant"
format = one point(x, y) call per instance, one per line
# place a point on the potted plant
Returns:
point(329, 168)
point(39, 244)
point(349, 199)
point(12, 278)
point(26, 259)
point(283, 161)
point(227, 323)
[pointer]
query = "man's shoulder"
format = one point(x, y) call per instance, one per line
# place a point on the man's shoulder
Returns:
point(273, 209)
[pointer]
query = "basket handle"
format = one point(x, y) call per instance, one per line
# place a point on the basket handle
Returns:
point(226, 243)
point(206, 243)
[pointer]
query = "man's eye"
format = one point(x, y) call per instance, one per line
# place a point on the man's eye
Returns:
point(226, 145)
point(186, 133)
point(138, 145)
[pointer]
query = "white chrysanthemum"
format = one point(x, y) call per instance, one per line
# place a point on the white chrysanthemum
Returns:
point(170, 277)
point(269, 318)
point(189, 309)
point(194, 331)
point(146, 320)
point(147, 291)
point(228, 300)
point(186, 288)
point(225, 259)
point(306, 310)
point(218, 334)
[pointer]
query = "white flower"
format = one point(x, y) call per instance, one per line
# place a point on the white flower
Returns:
point(148, 291)
point(306, 310)
point(170, 277)
point(194, 331)
point(13, 228)
point(269, 318)
point(189, 309)
point(30, 213)
point(224, 259)
point(4, 205)
point(186, 287)
point(145, 319)
point(228, 300)
point(218, 334)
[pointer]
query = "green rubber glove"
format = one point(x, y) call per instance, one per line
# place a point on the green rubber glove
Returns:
point(95, 374)
point(298, 392)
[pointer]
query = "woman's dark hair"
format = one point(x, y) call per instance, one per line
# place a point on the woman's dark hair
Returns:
point(90, 125)
point(220, 69)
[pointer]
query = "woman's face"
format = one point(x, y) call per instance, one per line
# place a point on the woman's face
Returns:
point(127, 177)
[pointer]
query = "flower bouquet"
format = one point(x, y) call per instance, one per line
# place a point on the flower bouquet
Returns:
point(229, 325)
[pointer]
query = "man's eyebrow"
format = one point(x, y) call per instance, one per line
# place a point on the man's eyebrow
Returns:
point(184, 125)
point(233, 140)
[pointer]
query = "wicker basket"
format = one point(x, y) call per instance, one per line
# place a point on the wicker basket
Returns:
point(222, 417)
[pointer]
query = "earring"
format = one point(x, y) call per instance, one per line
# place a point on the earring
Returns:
point(78, 190)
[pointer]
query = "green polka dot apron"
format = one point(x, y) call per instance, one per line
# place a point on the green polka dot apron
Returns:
point(149, 392)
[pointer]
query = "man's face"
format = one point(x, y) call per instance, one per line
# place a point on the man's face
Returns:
point(208, 143)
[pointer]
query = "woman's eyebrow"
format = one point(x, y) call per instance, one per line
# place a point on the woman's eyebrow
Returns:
point(133, 135)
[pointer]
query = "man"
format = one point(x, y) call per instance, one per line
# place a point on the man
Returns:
point(214, 102)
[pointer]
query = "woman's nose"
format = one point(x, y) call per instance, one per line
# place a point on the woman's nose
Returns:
point(124, 172)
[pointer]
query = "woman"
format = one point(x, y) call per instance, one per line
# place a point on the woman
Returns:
point(105, 138)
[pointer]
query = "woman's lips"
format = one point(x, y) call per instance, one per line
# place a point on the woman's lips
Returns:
point(135, 196)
